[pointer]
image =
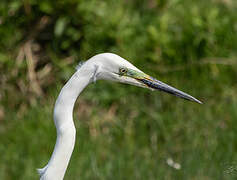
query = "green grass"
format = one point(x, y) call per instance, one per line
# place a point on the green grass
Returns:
point(123, 132)
point(129, 133)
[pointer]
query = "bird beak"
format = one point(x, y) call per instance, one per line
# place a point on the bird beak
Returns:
point(154, 84)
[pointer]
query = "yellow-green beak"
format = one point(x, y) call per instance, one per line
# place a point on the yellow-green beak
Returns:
point(155, 84)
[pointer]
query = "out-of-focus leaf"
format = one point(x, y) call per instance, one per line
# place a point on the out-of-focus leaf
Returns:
point(60, 26)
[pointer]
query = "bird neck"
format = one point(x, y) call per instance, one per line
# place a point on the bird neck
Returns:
point(66, 132)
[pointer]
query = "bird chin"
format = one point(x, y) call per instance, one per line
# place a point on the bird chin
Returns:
point(122, 79)
point(132, 81)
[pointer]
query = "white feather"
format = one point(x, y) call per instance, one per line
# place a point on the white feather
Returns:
point(80, 65)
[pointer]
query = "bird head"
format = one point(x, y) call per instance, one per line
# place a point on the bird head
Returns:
point(112, 67)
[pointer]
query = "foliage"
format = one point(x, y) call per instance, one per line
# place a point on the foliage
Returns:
point(124, 132)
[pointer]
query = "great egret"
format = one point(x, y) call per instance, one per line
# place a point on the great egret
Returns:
point(106, 66)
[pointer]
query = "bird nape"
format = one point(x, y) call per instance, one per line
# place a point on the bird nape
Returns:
point(105, 66)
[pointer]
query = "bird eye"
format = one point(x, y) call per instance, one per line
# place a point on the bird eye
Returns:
point(122, 71)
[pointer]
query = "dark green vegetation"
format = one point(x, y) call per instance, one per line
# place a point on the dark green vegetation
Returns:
point(123, 132)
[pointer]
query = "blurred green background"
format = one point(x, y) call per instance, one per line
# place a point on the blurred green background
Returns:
point(123, 132)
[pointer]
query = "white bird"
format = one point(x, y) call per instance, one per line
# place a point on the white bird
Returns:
point(106, 66)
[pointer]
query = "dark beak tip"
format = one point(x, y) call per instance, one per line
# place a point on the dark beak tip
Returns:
point(155, 84)
point(197, 101)
point(200, 102)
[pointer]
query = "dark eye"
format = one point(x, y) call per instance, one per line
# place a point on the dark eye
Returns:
point(122, 70)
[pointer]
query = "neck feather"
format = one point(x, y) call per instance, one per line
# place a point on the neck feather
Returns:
point(63, 119)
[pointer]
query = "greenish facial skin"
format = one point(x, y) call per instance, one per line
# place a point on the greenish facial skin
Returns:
point(133, 74)
point(153, 83)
